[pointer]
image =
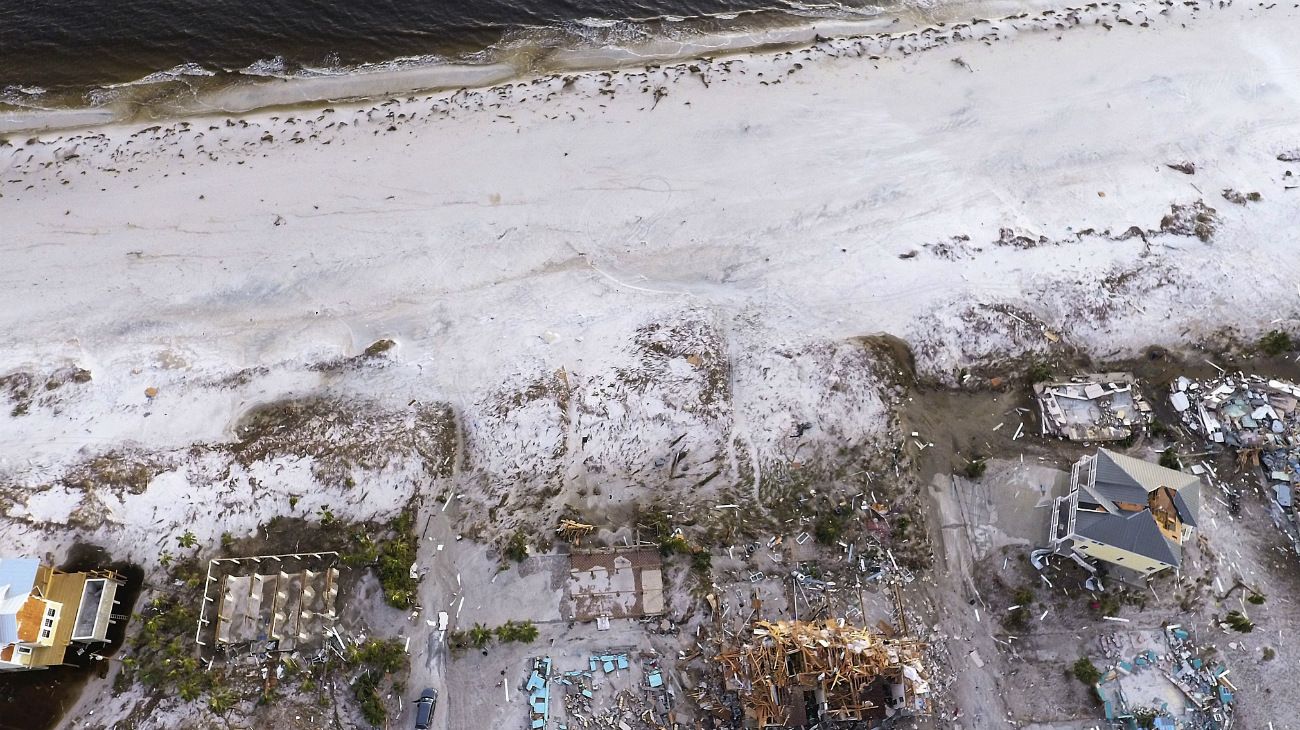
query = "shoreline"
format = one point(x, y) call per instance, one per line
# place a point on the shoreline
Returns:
point(186, 92)
point(596, 274)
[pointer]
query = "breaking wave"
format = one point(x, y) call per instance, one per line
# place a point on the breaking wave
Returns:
point(587, 43)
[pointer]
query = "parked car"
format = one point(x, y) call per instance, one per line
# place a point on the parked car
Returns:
point(424, 709)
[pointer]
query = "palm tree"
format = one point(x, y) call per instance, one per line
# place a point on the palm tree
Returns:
point(480, 636)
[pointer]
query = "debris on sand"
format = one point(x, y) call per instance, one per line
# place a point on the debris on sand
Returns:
point(858, 674)
point(1136, 686)
point(1236, 196)
point(1095, 407)
point(1259, 419)
point(342, 436)
point(1191, 219)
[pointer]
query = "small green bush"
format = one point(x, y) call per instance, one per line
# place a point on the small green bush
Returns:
point(675, 545)
point(828, 527)
point(975, 468)
point(516, 548)
point(1255, 598)
point(480, 636)
point(366, 690)
point(702, 561)
point(1038, 371)
point(1169, 459)
point(523, 632)
point(385, 655)
point(1275, 343)
point(1237, 621)
point(1085, 671)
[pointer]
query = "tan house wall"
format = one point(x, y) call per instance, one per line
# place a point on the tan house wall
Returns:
point(1117, 556)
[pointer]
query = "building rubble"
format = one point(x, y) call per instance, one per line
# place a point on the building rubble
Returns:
point(1259, 420)
point(1092, 407)
point(800, 673)
point(1160, 680)
point(618, 690)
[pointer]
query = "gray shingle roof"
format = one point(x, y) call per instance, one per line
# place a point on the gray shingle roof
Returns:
point(1120, 478)
point(1135, 532)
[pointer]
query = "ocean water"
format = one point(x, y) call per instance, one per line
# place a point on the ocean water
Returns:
point(148, 58)
point(81, 43)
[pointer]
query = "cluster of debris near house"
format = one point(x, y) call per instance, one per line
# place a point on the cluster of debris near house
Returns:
point(1121, 518)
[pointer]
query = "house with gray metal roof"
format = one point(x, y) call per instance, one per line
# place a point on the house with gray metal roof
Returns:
point(1126, 512)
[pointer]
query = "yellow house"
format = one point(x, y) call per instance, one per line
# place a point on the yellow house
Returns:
point(43, 610)
point(1126, 512)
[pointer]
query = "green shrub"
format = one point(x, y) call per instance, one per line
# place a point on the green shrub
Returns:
point(702, 561)
point(1275, 343)
point(378, 657)
point(524, 632)
point(828, 527)
point(1255, 598)
point(1237, 621)
point(1169, 459)
point(1085, 671)
point(366, 690)
point(395, 559)
point(385, 655)
point(221, 701)
point(675, 545)
point(480, 636)
point(516, 548)
point(1038, 371)
point(975, 468)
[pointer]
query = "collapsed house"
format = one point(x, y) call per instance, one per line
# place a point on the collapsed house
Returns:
point(267, 603)
point(1256, 417)
point(616, 583)
point(612, 689)
point(1095, 407)
point(44, 610)
point(1162, 678)
point(796, 674)
point(1127, 512)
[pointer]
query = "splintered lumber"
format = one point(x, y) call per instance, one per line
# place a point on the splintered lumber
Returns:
point(779, 660)
point(573, 531)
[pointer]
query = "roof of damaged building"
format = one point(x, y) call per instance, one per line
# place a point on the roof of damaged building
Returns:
point(1135, 532)
point(1123, 480)
point(17, 579)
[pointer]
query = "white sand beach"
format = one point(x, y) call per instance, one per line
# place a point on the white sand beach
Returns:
point(983, 190)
